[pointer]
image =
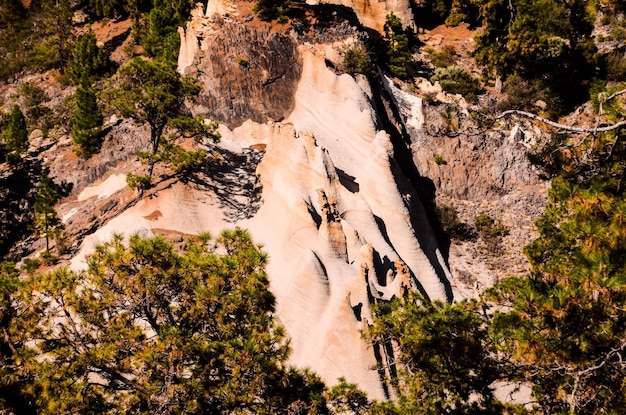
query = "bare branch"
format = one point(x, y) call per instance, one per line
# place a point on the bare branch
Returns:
point(562, 126)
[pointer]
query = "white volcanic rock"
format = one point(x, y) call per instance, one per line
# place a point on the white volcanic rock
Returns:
point(373, 13)
point(341, 225)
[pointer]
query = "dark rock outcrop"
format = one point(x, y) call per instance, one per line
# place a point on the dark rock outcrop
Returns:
point(248, 72)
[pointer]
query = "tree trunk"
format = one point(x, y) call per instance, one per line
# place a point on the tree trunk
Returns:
point(45, 224)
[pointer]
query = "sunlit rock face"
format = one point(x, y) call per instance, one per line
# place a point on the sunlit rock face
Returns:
point(373, 14)
point(307, 168)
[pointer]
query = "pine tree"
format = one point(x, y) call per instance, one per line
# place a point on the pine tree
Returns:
point(399, 45)
point(52, 35)
point(88, 60)
point(161, 38)
point(150, 329)
point(14, 382)
point(13, 32)
point(441, 357)
point(16, 134)
point(86, 125)
point(153, 92)
point(46, 222)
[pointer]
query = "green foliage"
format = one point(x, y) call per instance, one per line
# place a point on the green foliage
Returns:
point(451, 224)
point(490, 230)
point(46, 222)
point(444, 359)
point(153, 92)
point(399, 44)
point(16, 132)
point(161, 39)
point(346, 398)
point(32, 94)
point(243, 62)
point(447, 56)
point(272, 9)
point(86, 124)
point(457, 80)
point(356, 59)
point(452, 12)
point(548, 41)
point(88, 61)
point(523, 94)
point(107, 8)
point(151, 329)
point(138, 181)
point(13, 395)
point(439, 159)
point(13, 33)
point(52, 35)
point(566, 325)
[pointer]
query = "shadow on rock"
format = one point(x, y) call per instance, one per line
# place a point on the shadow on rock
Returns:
point(234, 181)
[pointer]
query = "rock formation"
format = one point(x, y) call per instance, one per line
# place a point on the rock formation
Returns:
point(373, 14)
point(342, 225)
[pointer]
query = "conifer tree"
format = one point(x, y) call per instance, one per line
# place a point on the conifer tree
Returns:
point(52, 35)
point(149, 329)
point(399, 45)
point(161, 38)
point(14, 397)
point(16, 133)
point(86, 125)
point(46, 223)
point(87, 60)
point(153, 92)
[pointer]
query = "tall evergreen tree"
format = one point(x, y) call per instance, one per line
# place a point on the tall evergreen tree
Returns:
point(547, 40)
point(46, 223)
point(13, 32)
point(52, 34)
point(16, 132)
point(153, 92)
point(86, 124)
point(87, 60)
point(399, 45)
point(13, 381)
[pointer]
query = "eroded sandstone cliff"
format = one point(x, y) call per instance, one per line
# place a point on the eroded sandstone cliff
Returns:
point(343, 226)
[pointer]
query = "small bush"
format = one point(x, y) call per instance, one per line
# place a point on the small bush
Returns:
point(619, 33)
point(455, 19)
point(32, 94)
point(47, 258)
point(488, 229)
point(522, 94)
point(31, 265)
point(457, 80)
point(449, 221)
point(13, 158)
point(272, 9)
point(447, 56)
point(356, 59)
point(439, 159)
point(243, 62)
point(448, 217)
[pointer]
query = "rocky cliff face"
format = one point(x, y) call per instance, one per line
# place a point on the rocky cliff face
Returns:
point(373, 14)
point(322, 169)
point(342, 225)
point(477, 170)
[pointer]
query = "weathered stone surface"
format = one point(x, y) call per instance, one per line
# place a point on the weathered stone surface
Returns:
point(247, 72)
point(373, 14)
